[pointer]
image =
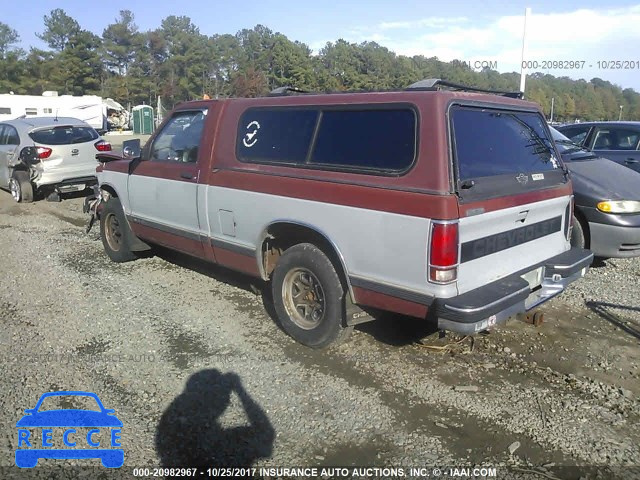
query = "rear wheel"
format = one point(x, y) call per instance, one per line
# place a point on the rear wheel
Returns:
point(20, 186)
point(308, 296)
point(115, 232)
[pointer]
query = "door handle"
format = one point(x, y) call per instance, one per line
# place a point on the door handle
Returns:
point(186, 176)
point(631, 160)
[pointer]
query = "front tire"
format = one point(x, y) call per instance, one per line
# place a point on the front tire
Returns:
point(115, 232)
point(20, 186)
point(308, 296)
point(578, 234)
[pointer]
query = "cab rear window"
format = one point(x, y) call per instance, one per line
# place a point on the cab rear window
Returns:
point(64, 135)
point(497, 142)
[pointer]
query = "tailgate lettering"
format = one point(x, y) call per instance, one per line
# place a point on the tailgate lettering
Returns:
point(502, 241)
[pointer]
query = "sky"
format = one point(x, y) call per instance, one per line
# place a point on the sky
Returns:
point(586, 37)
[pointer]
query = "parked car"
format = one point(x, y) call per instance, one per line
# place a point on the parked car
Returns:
point(607, 202)
point(617, 141)
point(61, 158)
point(353, 202)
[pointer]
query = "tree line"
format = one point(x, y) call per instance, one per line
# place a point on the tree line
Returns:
point(178, 63)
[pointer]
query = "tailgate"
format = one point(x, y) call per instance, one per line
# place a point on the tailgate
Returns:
point(514, 194)
point(499, 243)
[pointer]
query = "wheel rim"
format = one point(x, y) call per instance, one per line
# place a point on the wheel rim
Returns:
point(304, 298)
point(113, 232)
point(15, 189)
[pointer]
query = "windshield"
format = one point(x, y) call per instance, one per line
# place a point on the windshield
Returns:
point(565, 145)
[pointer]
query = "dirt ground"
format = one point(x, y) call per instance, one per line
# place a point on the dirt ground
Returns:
point(191, 359)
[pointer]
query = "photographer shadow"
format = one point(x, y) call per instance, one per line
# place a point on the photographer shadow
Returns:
point(189, 433)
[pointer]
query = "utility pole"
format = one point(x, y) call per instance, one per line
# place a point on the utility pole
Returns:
point(551, 119)
point(620, 116)
point(523, 74)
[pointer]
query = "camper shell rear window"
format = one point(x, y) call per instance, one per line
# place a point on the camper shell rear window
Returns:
point(492, 142)
point(64, 135)
point(364, 138)
point(499, 152)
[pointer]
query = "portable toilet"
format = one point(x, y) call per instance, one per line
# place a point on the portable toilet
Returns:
point(143, 119)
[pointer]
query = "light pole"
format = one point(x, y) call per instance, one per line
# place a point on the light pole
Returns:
point(620, 116)
point(523, 70)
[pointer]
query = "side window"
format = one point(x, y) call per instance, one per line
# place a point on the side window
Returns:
point(12, 137)
point(616, 139)
point(3, 139)
point(180, 138)
point(368, 138)
point(274, 135)
point(376, 139)
point(5, 111)
point(576, 134)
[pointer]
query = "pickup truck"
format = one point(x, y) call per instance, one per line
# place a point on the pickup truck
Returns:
point(439, 201)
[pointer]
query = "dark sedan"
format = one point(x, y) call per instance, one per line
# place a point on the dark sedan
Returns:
point(617, 141)
point(607, 202)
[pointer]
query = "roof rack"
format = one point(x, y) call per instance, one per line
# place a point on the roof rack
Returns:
point(287, 90)
point(437, 84)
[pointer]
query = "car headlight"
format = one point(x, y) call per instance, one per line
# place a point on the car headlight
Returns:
point(619, 206)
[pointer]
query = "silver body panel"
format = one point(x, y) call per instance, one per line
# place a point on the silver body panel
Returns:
point(488, 268)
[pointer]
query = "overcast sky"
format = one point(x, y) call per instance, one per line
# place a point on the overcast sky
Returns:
point(468, 30)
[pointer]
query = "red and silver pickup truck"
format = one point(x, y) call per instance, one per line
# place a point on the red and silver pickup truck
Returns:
point(434, 202)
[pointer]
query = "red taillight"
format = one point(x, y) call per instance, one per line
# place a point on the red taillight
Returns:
point(103, 146)
point(44, 152)
point(443, 254)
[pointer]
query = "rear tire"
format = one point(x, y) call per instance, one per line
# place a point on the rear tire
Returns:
point(115, 232)
point(20, 186)
point(578, 236)
point(308, 296)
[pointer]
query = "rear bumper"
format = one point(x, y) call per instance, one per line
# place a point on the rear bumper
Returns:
point(494, 303)
point(68, 175)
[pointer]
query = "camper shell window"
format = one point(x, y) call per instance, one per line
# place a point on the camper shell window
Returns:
point(365, 138)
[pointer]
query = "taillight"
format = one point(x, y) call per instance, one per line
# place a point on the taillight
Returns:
point(44, 152)
point(102, 146)
point(443, 253)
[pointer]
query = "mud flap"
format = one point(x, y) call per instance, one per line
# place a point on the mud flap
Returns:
point(354, 314)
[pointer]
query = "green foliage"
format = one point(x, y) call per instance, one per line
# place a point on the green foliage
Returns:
point(8, 36)
point(177, 62)
point(59, 28)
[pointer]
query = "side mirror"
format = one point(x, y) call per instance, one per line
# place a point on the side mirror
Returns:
point(131, 148)
point(29, 156)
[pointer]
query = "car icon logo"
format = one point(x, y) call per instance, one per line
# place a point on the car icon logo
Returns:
point(69, 433)
point(522, 178)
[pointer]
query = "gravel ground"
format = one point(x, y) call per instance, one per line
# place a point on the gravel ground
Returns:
point(190, 358)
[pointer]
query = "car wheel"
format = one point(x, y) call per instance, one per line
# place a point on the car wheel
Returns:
point(578, 237)
point(308, 297)
point(20, 186)
point(114, 232)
